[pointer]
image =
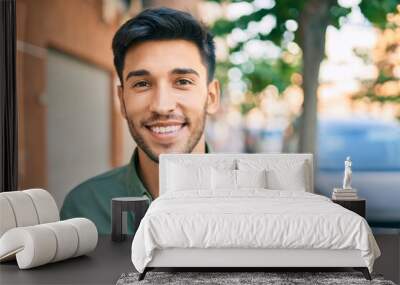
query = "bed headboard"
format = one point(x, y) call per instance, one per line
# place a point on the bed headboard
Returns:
point(231, 160)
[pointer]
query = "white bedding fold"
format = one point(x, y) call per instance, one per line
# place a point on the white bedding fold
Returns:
point(251, 218)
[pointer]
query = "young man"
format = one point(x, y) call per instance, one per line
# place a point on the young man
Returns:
point(165, 61)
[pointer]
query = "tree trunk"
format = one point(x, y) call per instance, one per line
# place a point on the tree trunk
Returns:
point(314, 20)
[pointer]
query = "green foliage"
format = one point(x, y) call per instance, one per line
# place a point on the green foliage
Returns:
point(383, 78)
point(283, 10)
point(278, 72)
point(336, 13)
point(221, 72)
point(370, 91)
point(246, 107)
point(265, 73)
point(376, 10)
point(373, 97)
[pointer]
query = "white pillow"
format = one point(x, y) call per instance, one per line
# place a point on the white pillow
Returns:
point(295, 180)
point(223, 179)
point(282, 174)
point(251, 178)
point(183, 177)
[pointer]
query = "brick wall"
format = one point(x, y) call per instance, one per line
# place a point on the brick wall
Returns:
point(74, 27)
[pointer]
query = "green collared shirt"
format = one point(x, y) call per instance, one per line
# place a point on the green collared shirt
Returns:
point(92, 198)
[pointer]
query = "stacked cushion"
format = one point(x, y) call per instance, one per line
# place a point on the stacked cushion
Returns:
point(31, 232)
point(40, 244)
point(26, 208)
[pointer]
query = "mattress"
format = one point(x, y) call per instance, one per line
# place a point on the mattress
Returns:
point(251, 219)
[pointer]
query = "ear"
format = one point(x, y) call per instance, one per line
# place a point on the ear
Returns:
point(214, 94)
point(121, 100)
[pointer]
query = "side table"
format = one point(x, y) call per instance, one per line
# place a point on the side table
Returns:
point(138, 205)
point(357, 205)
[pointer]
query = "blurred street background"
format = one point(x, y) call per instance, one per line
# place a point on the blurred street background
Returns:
point(313, 76)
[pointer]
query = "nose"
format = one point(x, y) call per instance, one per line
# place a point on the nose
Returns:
point(163, 100)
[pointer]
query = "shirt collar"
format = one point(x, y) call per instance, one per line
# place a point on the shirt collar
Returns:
point(133, 181)
point(134, 184)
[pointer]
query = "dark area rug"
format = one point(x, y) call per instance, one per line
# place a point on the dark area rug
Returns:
point(228, 278)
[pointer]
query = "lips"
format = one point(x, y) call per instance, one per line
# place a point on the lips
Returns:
point(165, 131)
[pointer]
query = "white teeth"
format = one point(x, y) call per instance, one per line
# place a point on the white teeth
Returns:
point(163, 130)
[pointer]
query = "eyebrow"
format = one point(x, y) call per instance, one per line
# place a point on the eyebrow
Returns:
point(144, 72)
point(184, 71)
point(140, 72)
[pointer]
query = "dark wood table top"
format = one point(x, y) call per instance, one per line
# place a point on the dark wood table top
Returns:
point(104, 265)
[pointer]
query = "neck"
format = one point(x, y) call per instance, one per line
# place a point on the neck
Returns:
point(148, 169)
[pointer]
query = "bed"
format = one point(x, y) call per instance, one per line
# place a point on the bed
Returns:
point(247, 211)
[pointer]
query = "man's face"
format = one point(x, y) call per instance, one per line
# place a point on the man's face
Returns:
point(165, 96)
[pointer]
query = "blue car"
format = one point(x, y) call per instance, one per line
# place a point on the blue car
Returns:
point(374, 147)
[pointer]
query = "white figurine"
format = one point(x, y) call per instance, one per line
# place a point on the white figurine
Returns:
point(347, 174)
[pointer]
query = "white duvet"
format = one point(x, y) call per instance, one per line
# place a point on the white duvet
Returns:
point(252, 218)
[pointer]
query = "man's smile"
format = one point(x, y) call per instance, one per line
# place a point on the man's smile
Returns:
point(165, 131)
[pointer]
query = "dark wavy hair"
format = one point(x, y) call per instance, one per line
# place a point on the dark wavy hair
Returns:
point(163, 24)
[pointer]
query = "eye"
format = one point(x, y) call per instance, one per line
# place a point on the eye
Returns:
point(141, 84)
point(184, 81)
